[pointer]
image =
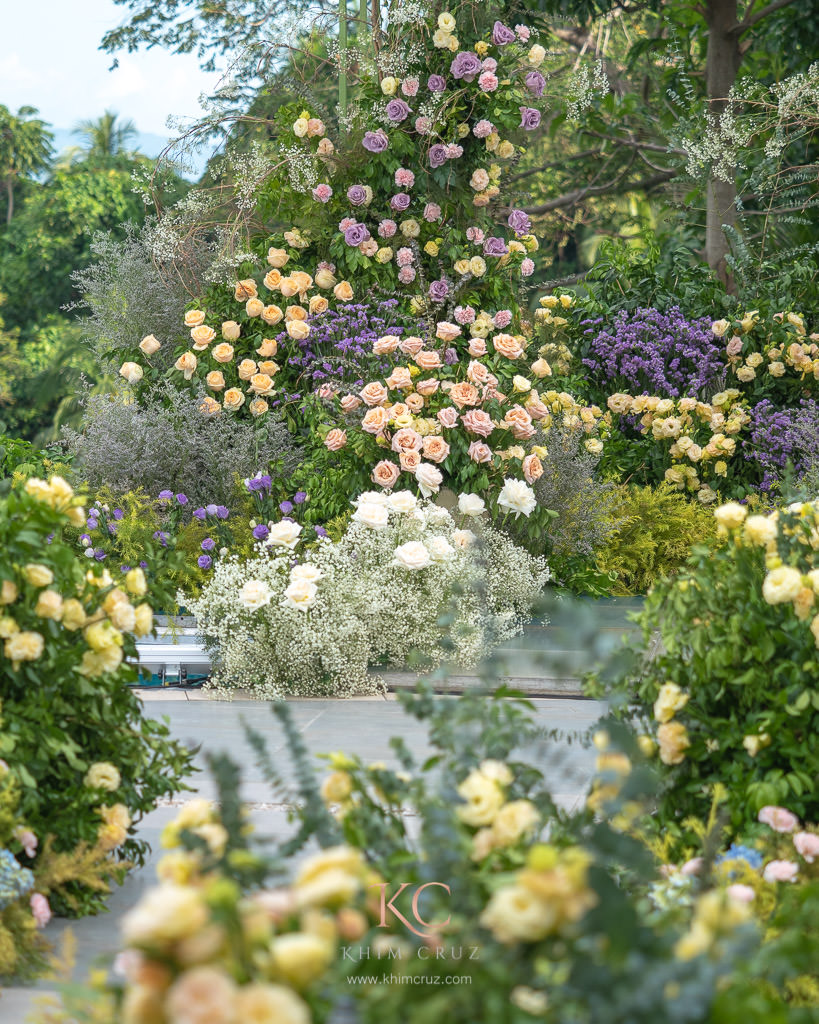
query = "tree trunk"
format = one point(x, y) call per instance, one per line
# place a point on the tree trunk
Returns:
point(10, 194)
point(722, 65)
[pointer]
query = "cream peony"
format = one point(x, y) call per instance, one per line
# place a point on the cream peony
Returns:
point(284, 534)
point(413, 555)
point(255, 594)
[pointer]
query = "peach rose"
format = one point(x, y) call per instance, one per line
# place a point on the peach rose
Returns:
point(532, 469)
point(480, 452)
point(537, 410)
point(435, 448)
point(476, 421)
point(375, 420)
point(343, 291)
point(411, 346)
point(428, 360)
point(318, 304)
point(415, 403)
point(194, 317)
point(295, 313)
point(385, 474)
point(477, 347)
point(245, 290)
point(464, 394)
point(222, 353)
point(186, 364)
point(508, 346)
point(478, 373)
point(272, 314)
point(272, 280)
point(209, 406)
point(374, 393)
point(518, 420)
point(288, 287)
point(234, 399)
point(383, 346)
point(410, 461)
point(349, 403)
point(247, 368)
point(254, 307)
point(269, 347)
point(231, 330)
point(447, 331)
point(406, 439)
point(261, 384)
point(149, 345)
point(302, 281)
point(277, 257)
point(427, 387)
point(399, 378)
point(335, 439)
point(269, 367)
point(325, 279)
point(215, 380)
point(258, 407)
point(202, 336)
point(448, 417)
point(298, 330)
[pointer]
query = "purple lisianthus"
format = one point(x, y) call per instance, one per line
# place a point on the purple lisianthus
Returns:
point(466, 65)
point(357, 195)
point(437, 155)
point(112, 528)
point(300, 497)
point(375, 142)
point(208, 544)
point(286, 507)
point(125, 568)
point(165, 495)
point(519, 222)
point(529, 118)
point(222, 511)
point(535, 83)
point(261, 532)
point(400, 201)
point(436, 83)
point(356, 234)
point(204, 561)
point(451, 356)
point(210, 509)
point(162, 537)
point(398, 110)
point(118, 513)
point(501, 35)
point(494, 246)
point(439, 290)
point(320, 531)
point(143, 565)
point(182, 499)
point(92, 523)
point(99, 554)
point(199, 514)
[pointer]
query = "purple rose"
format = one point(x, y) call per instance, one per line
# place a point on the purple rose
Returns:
point(208, 544)
point(501, 35)
point(436, 83)
point(494, 247)
point(204, 561)
point(375, 142)
point(519, 222)
point(357, 195)
point(467, 65)
point(400, 201)
point(529, 118)
point(260, 532)
point(535, 83)
point(398, 110)
point(451, 356)
point(437, 155)
point(356, 234)
point(439, 290)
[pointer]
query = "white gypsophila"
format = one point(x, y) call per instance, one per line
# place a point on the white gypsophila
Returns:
point(319, 634)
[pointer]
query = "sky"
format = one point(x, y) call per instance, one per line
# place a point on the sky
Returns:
point(50, 59)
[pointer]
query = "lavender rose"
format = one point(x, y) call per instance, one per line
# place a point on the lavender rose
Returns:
point(437, 155)
point(357, 195)
point(375, 142)
point(529, 118)
point(519, 222)
point(535, 83)
point(400, 201)
point(466, 65)
point(356, 234)
point(451, 356)
point(494, 247)
point(501, 35)
point(439, 290)
point(436, 83)
point(398, 110)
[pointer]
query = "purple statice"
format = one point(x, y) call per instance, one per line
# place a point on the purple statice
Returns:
point(775, 439)
point(647, 351)
point(208, 544)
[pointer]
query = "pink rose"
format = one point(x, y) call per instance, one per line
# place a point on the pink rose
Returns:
point(692, 867)
point(325, 391)
point(780, 871)
point(490, 64)
point(415, 402)
point(448, 417)
point(532, 469)
point(336, 439)
point(404, 178)
point(383, 346)
point(483, 129)
point(453, 151)
point(347, 222)
point(27, 839)
point(385, 474)
point(374, 393)
point(464, 314)
point(369, 248)
point(40, 909)
point(740, 893)
point(435, 448)
point(477, 347)
point(404, 256)
point(523, 32)
point(411, 346)
point(399, 378)
point(475, 235)
point(406, 275)
point(480, 452)
point(349, 403)
point(527, 267)
point(476, 421)
point(807, 845)
point(502, 318)
point(734, 346)
point(427, 387)
point(428, 360)
point(480, 374)
point(447, 331)
point(409, 87)
point(387, 228)
point(406, 439)
point(432, 212)
point(410, 460)
point(322, 193)
point(779, 819)
point(488, 82)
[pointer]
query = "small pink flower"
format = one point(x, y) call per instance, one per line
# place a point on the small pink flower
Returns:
point(404, 178)
point(448, 417)
point(387, 228)
point(347, 222)
point(27, 839)
point(326, 391)
point(490, 64)
point(780, 871)
point(779, 819)
point(480, 452)
point(324, 265)
point(807, 845)
point(487, 81)
point(40, 909)
point(464, 315)
point(477, 347)
point(483, 129)
point(322, 193)
point(692, 867)
point(453, 151)
point(734, 346)
point(423, 125)
point(502, 318)
point(475, 234)
point(404, 257)
point(527, 267)
point(432, 212)
point(523, 32)
point(406, 275)
point(369, 248)
point(409, 87)
point(740, 893)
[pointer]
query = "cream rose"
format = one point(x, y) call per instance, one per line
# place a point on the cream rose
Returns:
point(149, 345)
point(413, 555)
point(245, 289)
point(194, 317)
point(429, 478)
point(262, 1003)
point(233, 399)
point(730, 515)
point(343, 291)
point(376, 517)
point(284, 534)
point(255, 594)
point(300, 594)
point(374, 393)
point(132, 372)
point(186, 364)
point(513, 821)
point(49, 605)
point(261, 384)
point(38, 575)
point(404, 502)
point(782, 585)
point(483, 798)
point(215, 380)
point(26, 645)
point(336, 439)
point(102, 775)
point(517, 497)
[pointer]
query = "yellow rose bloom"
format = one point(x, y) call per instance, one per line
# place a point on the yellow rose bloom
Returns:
point(102, 775)
point(389, 85)
point(135, 582)
point(38, 575)
point(432, 248)
point(670, 700)
point(24, 646)
point(49, 605)
point(73, 614)
point(506, 150)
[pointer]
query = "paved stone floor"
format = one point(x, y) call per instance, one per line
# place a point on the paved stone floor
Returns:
point(363, 726)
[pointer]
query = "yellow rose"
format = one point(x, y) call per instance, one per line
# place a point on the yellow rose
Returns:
point(482, 797)
point(432, 248)
point(165, 915)
point(462, 267)
point(673, 741)
point(782, 585)
point(343, 291)
point(222, 353)
point(49, 605)
point(720, 327)
point(262, 1003)
point(540, 368)
point(515, 914)
point(8, 592)
point(300, 958)
point(730, 515)
point(410, 228)
point(135, 582)
point(670, 700)
point(389, 85)
point(73, 614)
point(109, 837)
point(144, 620)
point(98, 663)
point(100, 635)
point(24, 646)
point(38, 575)
point(384, 254)
point(102, 775)
point(453, 44)
point(336, 787)
point(477, 266)
point(215, 380)
point(506, 150)
point(513, 821)
point(8, 627)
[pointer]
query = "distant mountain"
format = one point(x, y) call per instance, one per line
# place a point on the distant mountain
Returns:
point(146, 142)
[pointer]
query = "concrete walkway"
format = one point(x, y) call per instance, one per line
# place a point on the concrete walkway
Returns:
point(360, 726)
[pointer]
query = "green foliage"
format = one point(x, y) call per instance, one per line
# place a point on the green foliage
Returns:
point(657, 529)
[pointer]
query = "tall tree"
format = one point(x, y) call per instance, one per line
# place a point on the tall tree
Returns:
point(25, 149)
point(106, 136)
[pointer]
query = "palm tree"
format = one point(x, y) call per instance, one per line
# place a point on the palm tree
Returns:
point(25, 149)
point(105, 136)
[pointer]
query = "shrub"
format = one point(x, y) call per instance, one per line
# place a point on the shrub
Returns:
point(729, 693)
point(87, 762)
point(654, 530)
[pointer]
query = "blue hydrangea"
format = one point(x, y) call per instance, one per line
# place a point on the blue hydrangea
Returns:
point(15, 881)
point(736, 851)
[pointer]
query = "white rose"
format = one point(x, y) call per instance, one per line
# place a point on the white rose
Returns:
point(307, 572)
point(440, 549)
point(371, 498)
point(412, 555)
point(471, 505)
point(429, 478)
point(255, 594)
point(517, 497)
point(404, 502)
point(463, 538)
point(301, 594)
point(374, 516)
point(284, 534)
